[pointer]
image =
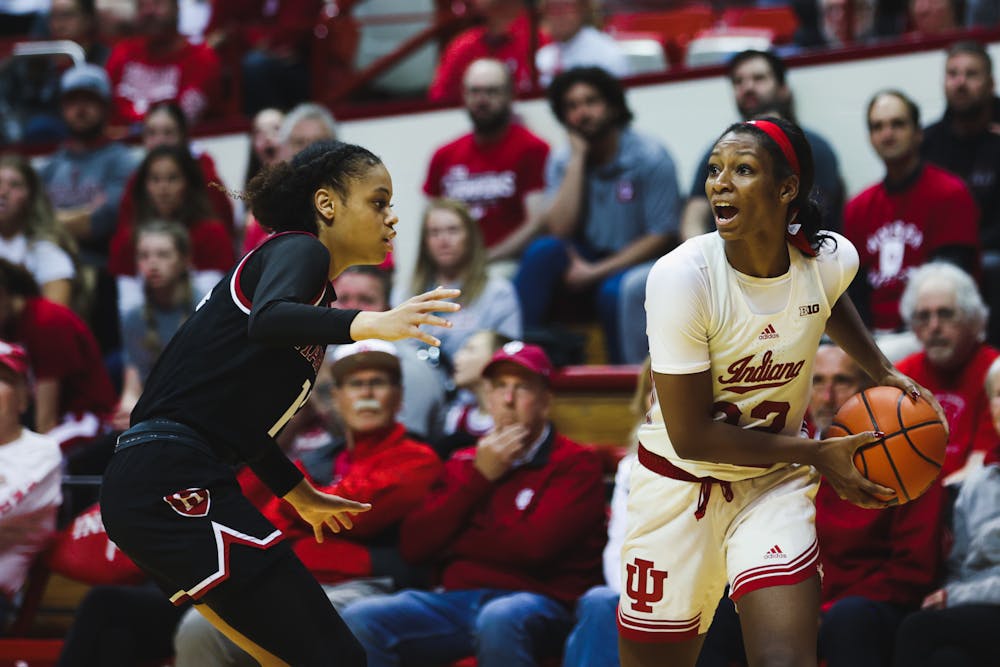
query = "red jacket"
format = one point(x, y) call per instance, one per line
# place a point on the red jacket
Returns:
point(386, 469)
point(891, 555)
point(539, 528)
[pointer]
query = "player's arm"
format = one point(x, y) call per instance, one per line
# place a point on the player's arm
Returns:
point(563, 214)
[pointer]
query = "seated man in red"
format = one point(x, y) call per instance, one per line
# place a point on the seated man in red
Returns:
point(944, 309)
point(515, 526)
point(376, 461)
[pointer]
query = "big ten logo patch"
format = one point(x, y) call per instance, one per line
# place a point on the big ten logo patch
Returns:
point(644, 584)
point(190, 502)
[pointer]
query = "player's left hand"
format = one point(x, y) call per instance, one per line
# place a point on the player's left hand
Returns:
point(320, 509)
point(914, 390)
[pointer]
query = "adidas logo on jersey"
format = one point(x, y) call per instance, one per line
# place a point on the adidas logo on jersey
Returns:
point(775, 552)
point(768, 333)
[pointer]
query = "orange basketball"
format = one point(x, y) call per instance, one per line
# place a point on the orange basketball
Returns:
point(909, 457)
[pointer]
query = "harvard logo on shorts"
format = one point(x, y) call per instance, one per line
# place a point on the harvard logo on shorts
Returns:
point(644, 585)
point(190, 502)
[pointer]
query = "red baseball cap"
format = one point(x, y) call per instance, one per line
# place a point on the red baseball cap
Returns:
point(525, 355)
point(15, 358)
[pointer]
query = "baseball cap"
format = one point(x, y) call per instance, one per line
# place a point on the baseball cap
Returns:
point(365, 354)
point(86, 77)
point(525, 355)
point(15, 358)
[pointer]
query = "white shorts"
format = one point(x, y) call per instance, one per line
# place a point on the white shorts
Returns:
point(675, 566)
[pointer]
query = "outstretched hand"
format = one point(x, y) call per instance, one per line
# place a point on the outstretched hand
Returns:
point(320, 509)
point(836, 463)
point(404, 320)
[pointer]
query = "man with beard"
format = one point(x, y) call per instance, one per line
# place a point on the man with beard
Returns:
point(943, 307)
point(917, 213)
point(495, 170)
point(613, 205)
point(160, 64)
point(760, 90)
point(965, 142)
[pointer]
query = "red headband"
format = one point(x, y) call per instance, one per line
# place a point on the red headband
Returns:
point(778, 135)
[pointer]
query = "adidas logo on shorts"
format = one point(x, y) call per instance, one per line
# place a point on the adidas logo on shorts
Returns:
point(775, 552)
point(768, 333)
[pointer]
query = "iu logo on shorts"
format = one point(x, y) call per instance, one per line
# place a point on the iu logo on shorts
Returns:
point(644, 585)
point(190, 502)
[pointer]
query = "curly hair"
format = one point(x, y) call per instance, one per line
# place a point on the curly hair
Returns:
point(809, 211)
point(607, 86)
point(281, 196)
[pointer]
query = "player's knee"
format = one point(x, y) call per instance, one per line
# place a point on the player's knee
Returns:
point(194, 638)
point(777, 654)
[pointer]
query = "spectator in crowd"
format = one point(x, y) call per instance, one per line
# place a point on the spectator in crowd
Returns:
point(593, 642)
point(917, 213)
point(760, 89)
point(957, 623)
point(932, 17)
point(275, 39)
point(505, 36)
point(376, 460)
point(16, 18)
point(265, 141)
point(29, 233)
point(964, 143)
point(159, 64)
point(303, 126)
point(946, 313)
point(163, 263)
point(29, 87)
point(468, 417)
point(452, 254)
point(576, 42)
point(166, 125)
point(73, 396)
point(168, 186)
point(85, 178)
point(515, 525)
point(497, 170)
point(877, 566)
point(613, 205)
point(30, 486)
point(367, 288)
point(838, 31)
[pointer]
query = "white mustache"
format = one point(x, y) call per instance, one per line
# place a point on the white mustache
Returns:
point(366, 404)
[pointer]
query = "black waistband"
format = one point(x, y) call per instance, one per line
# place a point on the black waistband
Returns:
point(160, 429)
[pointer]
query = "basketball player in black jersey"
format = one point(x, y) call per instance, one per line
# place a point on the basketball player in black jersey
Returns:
point(227, 383)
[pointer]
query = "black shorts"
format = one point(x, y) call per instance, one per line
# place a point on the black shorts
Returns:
point(176, 509)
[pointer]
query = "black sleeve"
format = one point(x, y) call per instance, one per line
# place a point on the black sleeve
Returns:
point(292, 274)
point(963, 256)
point(275, 469)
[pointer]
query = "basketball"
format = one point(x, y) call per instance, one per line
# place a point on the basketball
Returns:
point(910, 455)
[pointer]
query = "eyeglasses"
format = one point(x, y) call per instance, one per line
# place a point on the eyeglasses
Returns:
point(357, 384)
point(922, 318)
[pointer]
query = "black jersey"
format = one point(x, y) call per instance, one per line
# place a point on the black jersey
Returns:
point(246, 360)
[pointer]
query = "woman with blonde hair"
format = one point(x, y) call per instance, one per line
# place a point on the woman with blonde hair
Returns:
point(452, 254)
point(29, 234)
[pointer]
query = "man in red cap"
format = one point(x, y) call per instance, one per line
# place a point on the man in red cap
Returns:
point(30, 478)
point(515, 528)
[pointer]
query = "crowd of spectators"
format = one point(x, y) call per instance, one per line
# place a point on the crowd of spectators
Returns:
point(105, 251)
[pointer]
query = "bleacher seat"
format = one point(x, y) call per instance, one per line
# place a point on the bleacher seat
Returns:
point(714, 47)
point(781, 21)
point(644, 52)
point(675, 27)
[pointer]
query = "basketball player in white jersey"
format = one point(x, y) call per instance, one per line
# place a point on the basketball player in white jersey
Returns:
point(724, 487)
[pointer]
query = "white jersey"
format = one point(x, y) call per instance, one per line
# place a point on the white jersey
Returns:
point(758, 336)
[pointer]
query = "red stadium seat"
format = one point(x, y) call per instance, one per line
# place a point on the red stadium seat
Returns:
point(781, 21)
point(675, 27)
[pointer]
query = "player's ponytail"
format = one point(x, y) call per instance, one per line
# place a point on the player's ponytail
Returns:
point(281, 196)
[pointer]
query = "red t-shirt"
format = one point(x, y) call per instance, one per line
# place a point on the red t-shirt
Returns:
point(62, 348)
point(513, 49)
point(492, 179)
point(895, 231)
point(211, 249)
point(965, 404)
point(189, 76)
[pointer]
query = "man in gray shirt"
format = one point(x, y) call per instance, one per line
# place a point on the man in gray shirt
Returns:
point(613, 205)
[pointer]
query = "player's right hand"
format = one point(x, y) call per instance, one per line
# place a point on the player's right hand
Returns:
point(835, 461)
point(404, 320)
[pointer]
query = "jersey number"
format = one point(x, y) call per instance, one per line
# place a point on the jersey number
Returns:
point(761, 411)
point(299, 401)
